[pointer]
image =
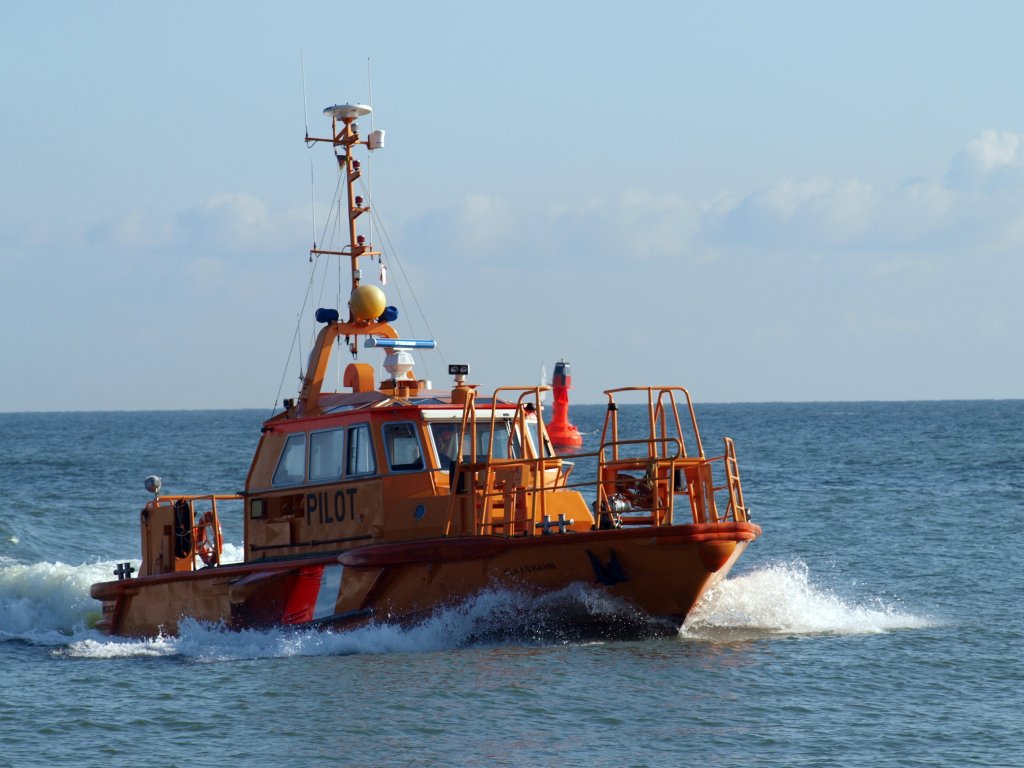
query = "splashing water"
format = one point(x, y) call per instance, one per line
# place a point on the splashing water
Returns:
point(46, 603)
point(781, 600)
point(49, 604)
point(491, 617)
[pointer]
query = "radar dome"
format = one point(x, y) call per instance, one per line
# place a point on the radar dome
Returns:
point(367, 302)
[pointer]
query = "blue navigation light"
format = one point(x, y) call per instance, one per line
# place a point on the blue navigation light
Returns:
point(383, 343)
point(324, 315)
point(389, 315)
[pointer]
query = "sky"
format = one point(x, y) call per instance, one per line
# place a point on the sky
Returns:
point(786, 201)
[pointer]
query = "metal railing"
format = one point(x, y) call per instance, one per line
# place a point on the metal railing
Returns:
point(513, 496)
point(201, 537)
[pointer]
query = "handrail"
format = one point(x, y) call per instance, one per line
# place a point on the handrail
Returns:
point(640, 441)
point(512, 493)
point(656, 412)
point(740, 511)
point(629, 490)
point(197, 497)
point(205, 529)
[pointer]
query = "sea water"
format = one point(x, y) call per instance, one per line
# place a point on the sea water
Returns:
point(878, 621)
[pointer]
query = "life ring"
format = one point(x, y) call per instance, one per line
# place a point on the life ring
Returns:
point(209, 539)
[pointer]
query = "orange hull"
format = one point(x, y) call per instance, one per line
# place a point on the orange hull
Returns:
point(661, 571)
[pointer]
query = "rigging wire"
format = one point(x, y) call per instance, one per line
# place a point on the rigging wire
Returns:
point(401, 268)
point(369, 90)
point(330, 211)
point(297, 335)
point(369, 155)
point(295, 338)
point(312, 199)
point(330, 242)
point(330, 223)
point(337, 339)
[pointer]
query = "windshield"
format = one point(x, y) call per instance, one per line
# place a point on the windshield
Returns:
point(447, 434)
point(535, 439)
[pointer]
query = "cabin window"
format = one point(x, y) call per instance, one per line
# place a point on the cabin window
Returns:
point(403, 447)
point(535, 439)
point(359, 457)
point(446, 442)
point(291, 468)
point(503, 447)
point(325, 454)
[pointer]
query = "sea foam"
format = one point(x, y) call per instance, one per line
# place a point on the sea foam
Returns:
point(782, 600)
point(49, 604)
point(490, 617)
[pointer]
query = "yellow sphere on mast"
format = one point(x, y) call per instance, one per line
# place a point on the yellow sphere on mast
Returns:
point(367, 302)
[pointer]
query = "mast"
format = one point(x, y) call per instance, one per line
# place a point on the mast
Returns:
point(368, 314)
point(344, 137)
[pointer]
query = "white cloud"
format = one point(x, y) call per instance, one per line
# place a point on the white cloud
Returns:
point(223, 223)
point(652, 226)
point(482, 222)
point(480, 228)
point(975, 207)
point(637, 225)
point(818, 209)
point(137, 229)
point(992, 155)
point(993, 149)
point(238, 209)
point(231, 220)
point(915, 208)
point(896, 228)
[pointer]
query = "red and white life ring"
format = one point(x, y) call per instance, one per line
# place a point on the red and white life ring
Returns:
point(209, 539)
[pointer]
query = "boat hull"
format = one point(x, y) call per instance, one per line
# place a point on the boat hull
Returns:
point(662, 571)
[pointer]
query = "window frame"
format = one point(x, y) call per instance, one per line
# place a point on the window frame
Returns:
point(341, 459)
point(437, 424)
point(387, 446)
point(274, 482)
point(363, 425)
point(541, 448)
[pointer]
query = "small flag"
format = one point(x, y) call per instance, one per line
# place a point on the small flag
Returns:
point(383, 274)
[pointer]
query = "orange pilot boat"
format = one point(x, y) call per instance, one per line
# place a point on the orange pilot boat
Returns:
point(390, 499)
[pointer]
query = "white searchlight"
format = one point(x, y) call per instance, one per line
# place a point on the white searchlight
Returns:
point(384, 343)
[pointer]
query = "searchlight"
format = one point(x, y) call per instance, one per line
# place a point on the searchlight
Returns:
point(384, 343)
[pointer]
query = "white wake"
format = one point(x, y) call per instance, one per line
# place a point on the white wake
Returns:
point(782, 600)
point(49, 604)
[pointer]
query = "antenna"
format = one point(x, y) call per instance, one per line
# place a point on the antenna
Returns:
point(312, 202)
point(305, 109)
point(305, 117)
point(369, 94)
point(369, 89)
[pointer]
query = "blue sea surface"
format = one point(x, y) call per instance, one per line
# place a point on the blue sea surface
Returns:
point(878, 621)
